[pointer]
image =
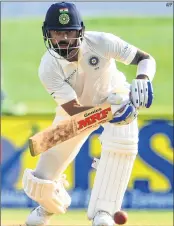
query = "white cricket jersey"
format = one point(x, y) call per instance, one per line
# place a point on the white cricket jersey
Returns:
point(94, 76)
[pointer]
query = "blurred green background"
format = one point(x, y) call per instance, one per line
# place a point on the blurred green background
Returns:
point(22, 47)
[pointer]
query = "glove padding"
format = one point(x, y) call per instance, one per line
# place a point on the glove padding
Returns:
point(141, 93)
point(125, 115)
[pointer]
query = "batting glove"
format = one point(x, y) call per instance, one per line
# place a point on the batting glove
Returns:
point(141, 93)
point(125, 115)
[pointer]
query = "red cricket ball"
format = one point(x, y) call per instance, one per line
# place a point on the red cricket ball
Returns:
point(120, 217)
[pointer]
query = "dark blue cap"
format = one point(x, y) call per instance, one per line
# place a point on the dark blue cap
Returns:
point(63, 16)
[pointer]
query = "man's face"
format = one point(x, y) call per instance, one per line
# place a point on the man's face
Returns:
point(65, 43)
point(64, 39)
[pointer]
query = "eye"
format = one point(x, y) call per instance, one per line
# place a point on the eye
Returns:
point(57, 32)
point(54, 32)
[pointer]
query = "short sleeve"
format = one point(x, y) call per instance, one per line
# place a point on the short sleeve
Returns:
point(51, 78)
point(116, 48)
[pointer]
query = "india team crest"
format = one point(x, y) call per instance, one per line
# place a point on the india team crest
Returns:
point(93, 61)
point(64, 18)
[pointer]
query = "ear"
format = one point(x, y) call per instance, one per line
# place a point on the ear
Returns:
point(44, 32)
point(82, 31)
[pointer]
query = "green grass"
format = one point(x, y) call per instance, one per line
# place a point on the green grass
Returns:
point(79, 217)
point(22, 47)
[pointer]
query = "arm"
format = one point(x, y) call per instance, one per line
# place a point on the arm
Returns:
point(73, 107)
point(62, 92)
point(123, 113)
point(141, 89)
point(121, 51)
point(146, 65)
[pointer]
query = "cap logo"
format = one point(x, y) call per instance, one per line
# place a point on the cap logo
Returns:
point(64, 18)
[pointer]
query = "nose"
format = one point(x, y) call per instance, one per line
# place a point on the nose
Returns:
point(65, 36)
point(62, 36)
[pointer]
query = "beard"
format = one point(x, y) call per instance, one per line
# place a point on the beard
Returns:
point(64, 52)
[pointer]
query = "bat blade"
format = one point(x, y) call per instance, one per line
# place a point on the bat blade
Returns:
point(68, 129)
point(50, 137)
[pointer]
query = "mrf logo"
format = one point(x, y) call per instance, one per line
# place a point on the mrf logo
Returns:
point(94, 117)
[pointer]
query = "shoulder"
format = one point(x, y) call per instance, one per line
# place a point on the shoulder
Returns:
point(47, 61)
point(93, 38)
point(92, 35)
point(48, 65)
point(99, 37)
point(101, 42)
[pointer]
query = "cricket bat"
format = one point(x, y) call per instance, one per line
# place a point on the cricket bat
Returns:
point(65, 130)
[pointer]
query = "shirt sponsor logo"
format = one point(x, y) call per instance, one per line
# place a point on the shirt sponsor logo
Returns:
point(71, 75)
point(125, 48)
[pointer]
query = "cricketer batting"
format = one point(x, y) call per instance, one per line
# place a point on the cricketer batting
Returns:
point(79, 71)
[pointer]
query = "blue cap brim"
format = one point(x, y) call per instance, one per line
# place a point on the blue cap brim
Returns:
point(63, 28)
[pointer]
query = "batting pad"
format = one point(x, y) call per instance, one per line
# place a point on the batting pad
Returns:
point(111, 180)
point(49, 194)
